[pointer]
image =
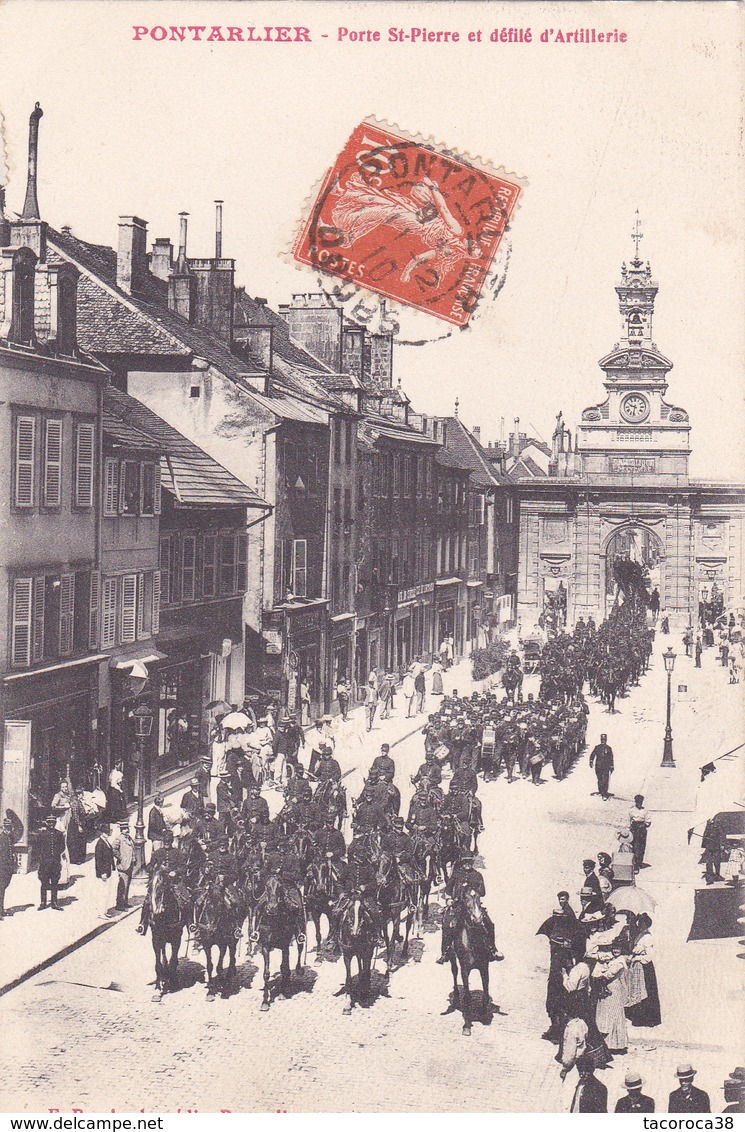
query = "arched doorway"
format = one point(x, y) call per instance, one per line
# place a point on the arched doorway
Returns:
point(637, 543)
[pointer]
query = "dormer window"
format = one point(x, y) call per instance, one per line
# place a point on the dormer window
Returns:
point(22, 323)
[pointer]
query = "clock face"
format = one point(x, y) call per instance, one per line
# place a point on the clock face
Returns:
point(634, 407)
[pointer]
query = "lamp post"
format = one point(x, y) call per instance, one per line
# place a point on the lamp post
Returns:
point(667, 747)
point(143, 721)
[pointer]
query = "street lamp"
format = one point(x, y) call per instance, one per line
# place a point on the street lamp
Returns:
point(667, 748)
point(143, 721)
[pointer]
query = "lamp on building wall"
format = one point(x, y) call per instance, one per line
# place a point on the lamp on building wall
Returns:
point(667, 748)
point(142, 716)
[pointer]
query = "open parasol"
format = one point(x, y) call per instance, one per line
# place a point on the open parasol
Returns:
point(634, 900)
point(220, 707)
point(235, 720)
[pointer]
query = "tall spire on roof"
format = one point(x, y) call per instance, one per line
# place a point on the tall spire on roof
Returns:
point(636, 236)
point(31, 204)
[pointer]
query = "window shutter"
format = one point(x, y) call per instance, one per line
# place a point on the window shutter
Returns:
point(37, 634)
point(53, 463)
point(25, 461)
point(208, 566)
point(157, 488)
point(140, 606)
point(165, 568)
point(93, 606)
point(111, 488)
point(241, 559)
point(188, 566)
point(66, 613)
point(129, 609)
point(108, 612)
point(84, 452)
point(21, 627)
point(300, 567)
point(155, 627)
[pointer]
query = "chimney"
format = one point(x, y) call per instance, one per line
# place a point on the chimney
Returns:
point(131, 256)
point(161, 258)
point(214, 286)
point(477, 433)
point(31, 204)
point(515, 438)
point(501, 432)
point(181, 283)
point(218, 229)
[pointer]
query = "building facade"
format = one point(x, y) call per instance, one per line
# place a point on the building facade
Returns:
point(621, 488)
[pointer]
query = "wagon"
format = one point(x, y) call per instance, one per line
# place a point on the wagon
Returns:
point(532, 656)
point(488, 750)
point(623, 868)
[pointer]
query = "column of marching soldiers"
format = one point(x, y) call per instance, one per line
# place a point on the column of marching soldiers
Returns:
point(235, 871)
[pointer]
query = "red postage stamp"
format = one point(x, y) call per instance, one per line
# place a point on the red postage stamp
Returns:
point(408, 220)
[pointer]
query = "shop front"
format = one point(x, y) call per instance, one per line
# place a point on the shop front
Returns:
point(341, 651)
point(50, 723)
point(449, 613)
point(296, 635)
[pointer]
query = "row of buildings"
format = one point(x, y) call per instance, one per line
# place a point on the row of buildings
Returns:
point(205, 499)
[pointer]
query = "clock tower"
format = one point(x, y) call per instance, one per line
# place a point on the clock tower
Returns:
point(635, 435)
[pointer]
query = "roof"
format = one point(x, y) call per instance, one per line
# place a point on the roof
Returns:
point(528, 442)
point(112, 321)
point(468, 453)
point(187, 472)
point(526, 466)
point(123, 433)
point(391, 429)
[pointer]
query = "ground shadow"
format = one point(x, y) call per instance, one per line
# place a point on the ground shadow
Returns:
point(18, 908)
point(301, 982)
point(481, 1010)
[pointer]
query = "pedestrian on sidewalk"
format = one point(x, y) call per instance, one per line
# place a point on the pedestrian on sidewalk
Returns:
point(371, 700)
point(124, 853)
point(156, 824)
point(699, 648)
point(602, 758)
point(421, 689)
point(116, 801)
point(105, 871)
point(686, 1098)
point(635, 1100)
point(443, 652)
point(437, 688)
point(342, 695)
point(590, 1095)
point(50, 848)
point(386, 695)
point(714, 845)
point(7, 862)
point(408, 688)
point(639, 823)
point(61, 808)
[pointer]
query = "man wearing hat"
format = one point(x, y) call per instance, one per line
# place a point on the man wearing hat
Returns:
point(734, 1091)
point(328, 768)
point(166, 857)
point(7, 861)
point(686, 1098)
point(464, 878)
point(156, 824)
point(602, 758)
point(328, 841)
point(368, 814)
point(105, 869)
point(319, 736)
point(124, 852)
point(383, 762)
point(210, 828)
point(288, 740)
point(590, 1094)
point(50, 846)
point(635, 1100)
point(191, 802)
point(255, 806)
point(376, 790)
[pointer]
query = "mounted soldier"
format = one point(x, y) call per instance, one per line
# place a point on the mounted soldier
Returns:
point(465, 879)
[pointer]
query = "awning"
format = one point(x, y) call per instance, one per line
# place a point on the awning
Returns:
point(140, 658)
point(448, 581)
point(56, 667)
point(474, 585)
point(341, 617)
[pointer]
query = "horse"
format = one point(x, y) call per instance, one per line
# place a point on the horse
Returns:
point(425, 859)
point(470, 953)
point(167, 921)
point(397, 900)
point(455, 838)
point(321, 892)
point(276, 928)
point(359, 933)
point(332, 796)
point(216, 924)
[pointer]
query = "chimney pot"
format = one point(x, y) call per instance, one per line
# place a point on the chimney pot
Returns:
point(218, 229)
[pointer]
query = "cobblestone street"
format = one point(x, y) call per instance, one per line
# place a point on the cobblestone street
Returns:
point(405, 1052)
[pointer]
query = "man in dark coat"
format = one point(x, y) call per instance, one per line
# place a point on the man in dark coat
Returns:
point(105, 860)
point(714, 845)
point(50, 847)
point(191, 802)
point(566, 941)
point(635, 1100)
point(256, 806)
point(156, 823)
point(383, 762)
point(590, 1095)
point(602, 757)
point(686, 1098)
point(7, 861)
point(464, 878)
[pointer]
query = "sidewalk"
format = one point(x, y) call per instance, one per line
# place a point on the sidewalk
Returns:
point(31, 940)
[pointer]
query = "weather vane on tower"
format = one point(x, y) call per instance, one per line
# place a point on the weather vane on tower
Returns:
point(636, 236)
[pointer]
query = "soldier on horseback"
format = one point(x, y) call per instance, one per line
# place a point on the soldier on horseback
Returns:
point(285, 867)
point(255, 806)
point(464, 879)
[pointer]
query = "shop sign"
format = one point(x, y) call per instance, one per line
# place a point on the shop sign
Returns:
point(273, 642)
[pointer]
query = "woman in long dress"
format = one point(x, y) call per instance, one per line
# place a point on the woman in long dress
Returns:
point(646, 1011)
point(77, 840)
point(437, 688)
point(611, 970)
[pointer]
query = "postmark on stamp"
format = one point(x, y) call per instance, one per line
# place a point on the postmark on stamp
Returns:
point(410, 221)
